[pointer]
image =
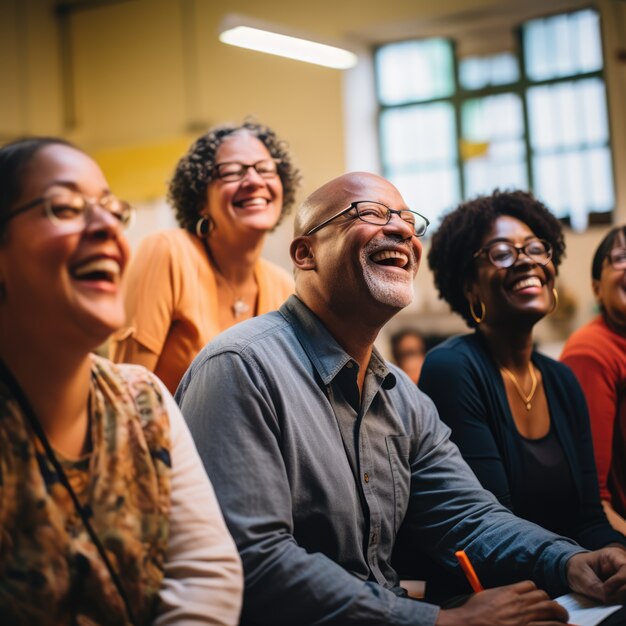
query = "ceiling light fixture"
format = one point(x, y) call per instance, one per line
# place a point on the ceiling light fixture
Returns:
point(248, 33)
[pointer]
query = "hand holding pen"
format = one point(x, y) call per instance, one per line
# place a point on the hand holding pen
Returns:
point(521, 604)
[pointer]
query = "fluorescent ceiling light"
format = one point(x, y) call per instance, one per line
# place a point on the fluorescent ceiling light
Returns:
point(247, 33)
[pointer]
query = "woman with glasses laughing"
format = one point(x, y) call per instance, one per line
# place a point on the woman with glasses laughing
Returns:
point(518, 417)
point(187, 285)
point(597, 355)
point(106, 514)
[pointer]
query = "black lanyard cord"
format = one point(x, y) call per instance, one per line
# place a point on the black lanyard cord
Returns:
point(19, 395)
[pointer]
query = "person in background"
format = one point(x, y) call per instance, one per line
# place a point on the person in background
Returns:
point(519, 418)
point(596, 353)
point(106, 514)
point(323, 450)
point(189, 284)
point(408, 350)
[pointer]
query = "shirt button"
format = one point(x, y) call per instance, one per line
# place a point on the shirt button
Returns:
point(366, 477)
point(349, 365)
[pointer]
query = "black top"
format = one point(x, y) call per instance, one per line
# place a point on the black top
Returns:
point(548, 494)
point(467, 388)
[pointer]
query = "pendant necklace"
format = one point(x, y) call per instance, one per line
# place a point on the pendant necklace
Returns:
point(239, 306)
point(526, 398)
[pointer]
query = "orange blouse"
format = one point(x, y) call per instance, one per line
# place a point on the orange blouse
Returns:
point(171, 302)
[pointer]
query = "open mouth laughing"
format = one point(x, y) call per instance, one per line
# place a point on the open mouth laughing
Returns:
point(526, 283)
point(391, 258)
point(256, 203)
point(99, 269)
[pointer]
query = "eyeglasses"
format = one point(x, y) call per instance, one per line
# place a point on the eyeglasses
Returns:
point(232, 171)
point(617, 258)
point(503, 254)
point(73, 210)
point(379, 214)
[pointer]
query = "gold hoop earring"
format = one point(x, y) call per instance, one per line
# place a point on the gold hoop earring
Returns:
point(476, 318)
point(555, 306)
point(204, 227)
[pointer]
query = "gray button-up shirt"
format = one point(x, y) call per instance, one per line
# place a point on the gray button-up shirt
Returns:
point(314, 481)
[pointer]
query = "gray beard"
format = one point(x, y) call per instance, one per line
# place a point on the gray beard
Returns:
point(392, 290)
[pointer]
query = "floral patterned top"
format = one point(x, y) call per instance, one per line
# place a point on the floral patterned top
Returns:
point(50, 571)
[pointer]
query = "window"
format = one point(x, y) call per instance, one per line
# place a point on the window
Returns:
point(536, 119)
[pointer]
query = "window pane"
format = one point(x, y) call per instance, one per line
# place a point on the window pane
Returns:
point(600, 177)
point(430, 192)
point(589, 41)
point(575, 183)
point(412, 71)
point(482, 176)
point(492, 117)
point(418, 135)
point(548, 184)
point(567, 114)
point(536, 46)
point(570, 155)
point(562, 45)
point(542, 114)
point(480, 72)
point(591, 98)
point(492, 147)
point(504, 69)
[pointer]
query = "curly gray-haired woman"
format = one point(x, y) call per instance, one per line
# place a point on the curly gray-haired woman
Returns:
point(187, 285)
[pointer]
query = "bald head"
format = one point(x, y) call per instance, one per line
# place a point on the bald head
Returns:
point(337, 194)
point(353, 269)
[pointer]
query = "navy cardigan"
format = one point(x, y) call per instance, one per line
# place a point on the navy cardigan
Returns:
point(467, 388)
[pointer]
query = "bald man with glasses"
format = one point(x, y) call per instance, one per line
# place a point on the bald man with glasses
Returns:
point(319, 450)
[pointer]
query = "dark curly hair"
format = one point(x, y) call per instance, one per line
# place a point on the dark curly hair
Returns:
point(462, 231)
point(603, 249)
point(14, 159)
point(194, 172)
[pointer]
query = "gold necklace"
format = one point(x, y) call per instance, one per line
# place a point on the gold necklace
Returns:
point(239, 306)
point(526, 398)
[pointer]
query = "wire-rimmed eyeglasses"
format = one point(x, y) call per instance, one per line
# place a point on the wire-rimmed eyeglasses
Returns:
point(234, 170)
point(73, 210)
point(379, 214)
point(617, 258)
point(503, 254)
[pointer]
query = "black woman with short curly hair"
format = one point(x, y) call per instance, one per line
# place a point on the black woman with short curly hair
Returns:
point(185, 286)
point(518, 417)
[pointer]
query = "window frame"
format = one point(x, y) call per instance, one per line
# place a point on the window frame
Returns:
point(519, 88)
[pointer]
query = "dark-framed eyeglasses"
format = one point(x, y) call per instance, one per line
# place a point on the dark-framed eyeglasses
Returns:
point(379, 214)
point(72, 211)
point(503, 254)
point(617, 258)
point(234, 170)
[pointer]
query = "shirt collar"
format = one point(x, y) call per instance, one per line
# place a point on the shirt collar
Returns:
point(326, 355)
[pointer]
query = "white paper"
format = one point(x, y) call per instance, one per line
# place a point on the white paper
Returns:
point(584, 611)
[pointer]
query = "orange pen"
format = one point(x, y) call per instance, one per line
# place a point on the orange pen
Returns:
point(470, 574)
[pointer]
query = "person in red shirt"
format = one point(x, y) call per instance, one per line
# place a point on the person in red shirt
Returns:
point(597, 355)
